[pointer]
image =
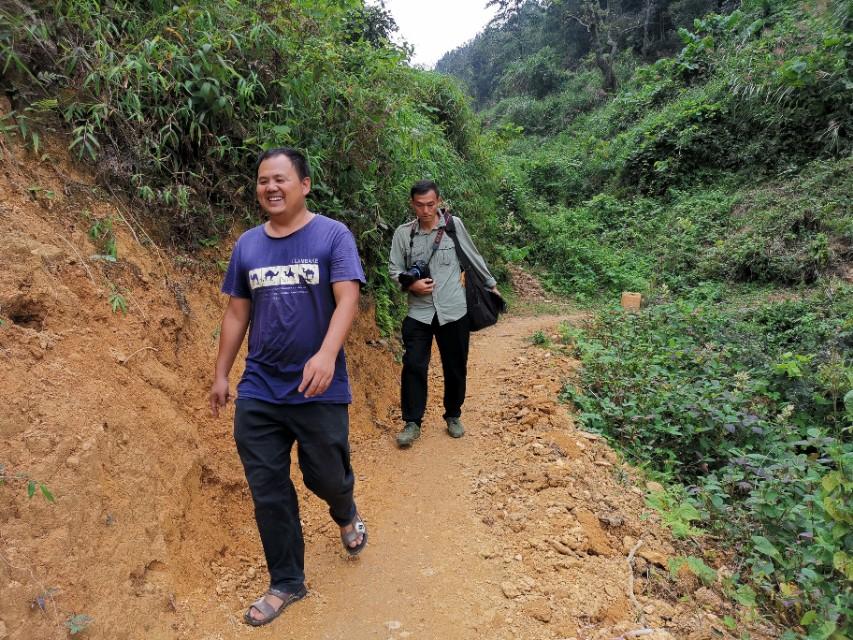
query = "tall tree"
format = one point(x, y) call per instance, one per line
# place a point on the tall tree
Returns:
point(507, 11)
point(607, 23)
point(509, 18)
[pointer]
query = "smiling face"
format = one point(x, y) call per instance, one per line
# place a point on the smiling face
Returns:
point(426, 208)
point(281, 192)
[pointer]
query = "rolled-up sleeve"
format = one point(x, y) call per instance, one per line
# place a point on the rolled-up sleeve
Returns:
point(397, 258)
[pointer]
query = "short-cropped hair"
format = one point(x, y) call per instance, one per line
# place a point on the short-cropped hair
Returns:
point(300, 162)
point(423, 187)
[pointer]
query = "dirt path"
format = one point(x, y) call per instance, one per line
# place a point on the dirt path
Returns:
point(429, 571)
point(519, 530)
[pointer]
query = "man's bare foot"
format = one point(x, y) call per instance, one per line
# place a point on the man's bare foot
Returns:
point(356, 541)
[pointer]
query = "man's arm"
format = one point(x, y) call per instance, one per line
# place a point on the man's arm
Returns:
point(231, 334)
point(320, 369)
point(477, 261)
point(397, 259)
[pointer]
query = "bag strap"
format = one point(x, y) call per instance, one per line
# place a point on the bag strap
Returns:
point(464, 262)
point(435, 243)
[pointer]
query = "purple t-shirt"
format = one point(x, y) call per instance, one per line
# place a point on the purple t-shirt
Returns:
point(289, 281)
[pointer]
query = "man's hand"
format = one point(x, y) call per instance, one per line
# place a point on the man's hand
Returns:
point(495, 290)
point(219, 395)
point(317, 374)
point(234, 325)
point(422, 287)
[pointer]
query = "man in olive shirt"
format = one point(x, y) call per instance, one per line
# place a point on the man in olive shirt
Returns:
point(436, 308)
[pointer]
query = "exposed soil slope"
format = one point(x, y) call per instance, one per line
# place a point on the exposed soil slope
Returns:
point(109, 412)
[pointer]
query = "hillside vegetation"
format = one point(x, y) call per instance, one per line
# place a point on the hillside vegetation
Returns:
point(718, 182)
point(172, 103)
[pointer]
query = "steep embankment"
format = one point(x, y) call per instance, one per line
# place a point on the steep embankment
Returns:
point(108, 411)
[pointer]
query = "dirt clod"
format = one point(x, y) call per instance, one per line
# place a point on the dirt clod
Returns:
point(510, 590)
point(539, 609)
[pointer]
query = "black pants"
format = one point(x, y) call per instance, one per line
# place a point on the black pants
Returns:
point(453, 339)
point(265, 434)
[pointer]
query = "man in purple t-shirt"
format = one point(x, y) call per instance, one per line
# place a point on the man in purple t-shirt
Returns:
point(293, 283)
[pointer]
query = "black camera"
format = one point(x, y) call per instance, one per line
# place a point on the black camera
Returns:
point(417, 271)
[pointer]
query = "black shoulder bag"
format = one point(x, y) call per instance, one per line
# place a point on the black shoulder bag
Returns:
point(484, 305)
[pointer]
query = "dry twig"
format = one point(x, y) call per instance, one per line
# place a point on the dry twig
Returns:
point(48, 593)
point(630, 589)
point(124, 360)
point(117, 204)
point(82, 261)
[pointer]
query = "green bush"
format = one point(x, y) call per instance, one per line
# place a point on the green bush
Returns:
point(536, 75)
point(746, 406)
point(789, 231)
point(552, 112)
point(580, 258)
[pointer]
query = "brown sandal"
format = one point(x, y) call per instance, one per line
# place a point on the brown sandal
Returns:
point(269, 612)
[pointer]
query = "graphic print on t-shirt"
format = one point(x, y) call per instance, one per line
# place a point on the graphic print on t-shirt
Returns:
point(299, 273)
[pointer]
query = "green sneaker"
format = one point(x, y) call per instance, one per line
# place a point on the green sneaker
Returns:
point(454, 427)
point(408, 435)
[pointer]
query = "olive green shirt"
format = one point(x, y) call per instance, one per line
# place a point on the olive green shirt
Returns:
point(447, 299)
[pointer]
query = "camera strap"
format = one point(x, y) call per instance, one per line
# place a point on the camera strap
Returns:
point(435, 243)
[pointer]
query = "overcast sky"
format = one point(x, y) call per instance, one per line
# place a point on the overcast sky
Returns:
point(434, 27)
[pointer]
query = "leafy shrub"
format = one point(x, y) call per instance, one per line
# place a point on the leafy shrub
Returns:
point(540, 339)
point(746, 407)
point(536, 117)
point(778, 88)
point(174, 102)
point(788, 232)
point(792, 230)
point(536, 75)
point(551, 113)
point(573, 245)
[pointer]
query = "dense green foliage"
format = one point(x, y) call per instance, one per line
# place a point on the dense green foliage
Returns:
point(788, 231)
point(727, 163)
point(741, 143)
point(173, 102)
point(533, 48)
point(751, 407)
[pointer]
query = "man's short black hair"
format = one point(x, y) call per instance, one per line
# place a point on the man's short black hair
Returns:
point(300, 162)
point(423, 187)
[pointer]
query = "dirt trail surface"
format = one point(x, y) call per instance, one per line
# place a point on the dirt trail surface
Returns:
point(521, 529)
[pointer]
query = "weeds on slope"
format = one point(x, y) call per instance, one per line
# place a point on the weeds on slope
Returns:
point(172, 103)
point(751, 410)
